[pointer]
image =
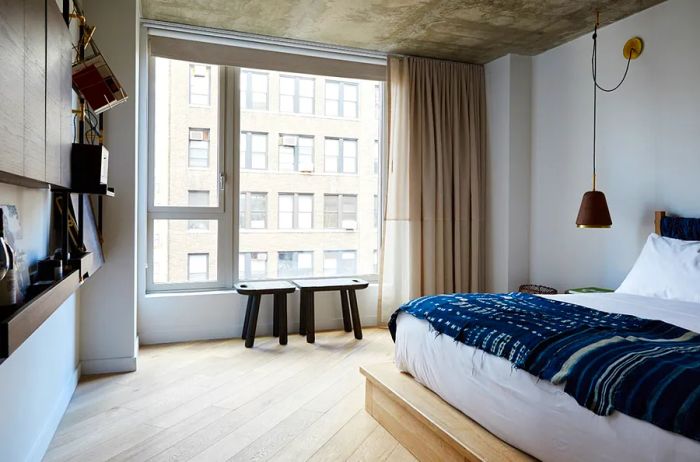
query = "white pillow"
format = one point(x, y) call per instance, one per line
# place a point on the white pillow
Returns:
point(666, 268)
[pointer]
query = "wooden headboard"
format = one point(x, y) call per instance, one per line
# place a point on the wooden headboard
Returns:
point(687, 229)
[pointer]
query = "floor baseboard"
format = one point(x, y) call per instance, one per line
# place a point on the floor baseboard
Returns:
point(108, 365)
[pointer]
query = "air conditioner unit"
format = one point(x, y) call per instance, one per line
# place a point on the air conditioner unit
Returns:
point(288, 140)
point(196, 135)
point(260, 256)
point(350, 225)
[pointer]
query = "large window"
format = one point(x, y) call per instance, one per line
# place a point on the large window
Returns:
point(339, 262)
point(254, 150)
point(341, 99)
point(253, 210)
point(297, 94)
point(290, 162)
point(341, 155)
point(296, 211)
point(296, 153)
point(200, 84)
point(189, 228)
point(340, 211)
point(295, 264)
point(198, 152)
point(253, 90)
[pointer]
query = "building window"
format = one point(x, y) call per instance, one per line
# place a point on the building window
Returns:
point(197, 267)
point(197, 198)
point(341, 99)
point(339, 262)
point(340, 211)
point(295, 264)
point(198, 151)
point(296, 153)
point(253, 210)
point(296, 211)
point(254, 90)
point(253, 150)
point(252, 265)
point(200, 85)
point(296, 94)
point(340, 155)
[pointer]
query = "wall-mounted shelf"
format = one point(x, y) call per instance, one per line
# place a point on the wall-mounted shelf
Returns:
point(18, 326)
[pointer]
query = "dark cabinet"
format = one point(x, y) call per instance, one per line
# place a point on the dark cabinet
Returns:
point(36, 126)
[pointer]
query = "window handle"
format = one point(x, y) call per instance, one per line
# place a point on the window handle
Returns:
point(222, 181)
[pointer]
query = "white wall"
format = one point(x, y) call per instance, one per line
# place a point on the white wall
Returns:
point(38, 379)
point(508, 83)
point(108, 321)
point(649, 144)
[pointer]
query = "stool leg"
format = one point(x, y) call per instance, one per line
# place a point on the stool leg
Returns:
point(252, 322)
point(282, 318)
point(355, 315)
point(347, 325)
point(247, 317)
point(310, 326)
point(302, 312)
point(275, 316)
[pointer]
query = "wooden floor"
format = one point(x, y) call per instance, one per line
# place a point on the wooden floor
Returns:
point(216, 400)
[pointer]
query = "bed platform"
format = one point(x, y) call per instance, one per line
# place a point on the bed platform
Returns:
point(426, 425)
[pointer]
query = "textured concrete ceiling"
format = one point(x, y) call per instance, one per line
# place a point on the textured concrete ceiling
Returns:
point(464, 30)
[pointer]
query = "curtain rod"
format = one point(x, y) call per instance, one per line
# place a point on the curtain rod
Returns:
point(281, 44)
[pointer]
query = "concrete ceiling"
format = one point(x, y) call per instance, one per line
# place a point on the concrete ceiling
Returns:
point(474, 31)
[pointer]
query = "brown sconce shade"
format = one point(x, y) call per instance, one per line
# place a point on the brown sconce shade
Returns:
point(594, 211)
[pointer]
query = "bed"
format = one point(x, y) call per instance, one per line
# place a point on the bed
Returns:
point(534, 415)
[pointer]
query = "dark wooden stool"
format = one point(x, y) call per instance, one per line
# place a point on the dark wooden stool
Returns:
point(346, 287)
point(255, 290)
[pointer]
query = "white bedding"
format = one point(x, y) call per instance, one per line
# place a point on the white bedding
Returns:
point(536, 416)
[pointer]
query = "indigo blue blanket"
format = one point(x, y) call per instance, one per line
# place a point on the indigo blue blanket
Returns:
point(647, 369)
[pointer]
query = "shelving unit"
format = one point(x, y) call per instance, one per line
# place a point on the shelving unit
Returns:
point(24, 320)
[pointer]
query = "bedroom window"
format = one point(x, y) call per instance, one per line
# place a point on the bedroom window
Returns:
point(264, 194)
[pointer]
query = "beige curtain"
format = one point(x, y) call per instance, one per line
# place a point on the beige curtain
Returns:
point(434, 213)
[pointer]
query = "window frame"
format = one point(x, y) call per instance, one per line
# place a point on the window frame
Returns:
point(248, 154)
point(297, 95)
point(189, 84)
point(197, 254)
point(295, 148)
point(247, 75)
point(341, 98)
point(249, 210)
point(222, 213)
point(206, 131)
point(340, 211)
point(295, 210)
point(340, 161)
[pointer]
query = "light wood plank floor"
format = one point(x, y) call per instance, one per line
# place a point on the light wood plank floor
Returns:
point(218, 401)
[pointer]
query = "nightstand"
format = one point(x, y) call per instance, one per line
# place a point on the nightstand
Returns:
point(589, 290)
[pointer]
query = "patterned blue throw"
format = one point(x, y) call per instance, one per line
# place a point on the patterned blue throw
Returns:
point(646, 369)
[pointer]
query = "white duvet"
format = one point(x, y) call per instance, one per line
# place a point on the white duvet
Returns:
point(534, 415)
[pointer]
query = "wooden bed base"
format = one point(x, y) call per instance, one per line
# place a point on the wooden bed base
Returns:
point(426, 425)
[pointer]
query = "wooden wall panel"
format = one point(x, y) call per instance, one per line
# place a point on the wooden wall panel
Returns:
point(34, 152)
point(58, 94)
point(11, 86)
